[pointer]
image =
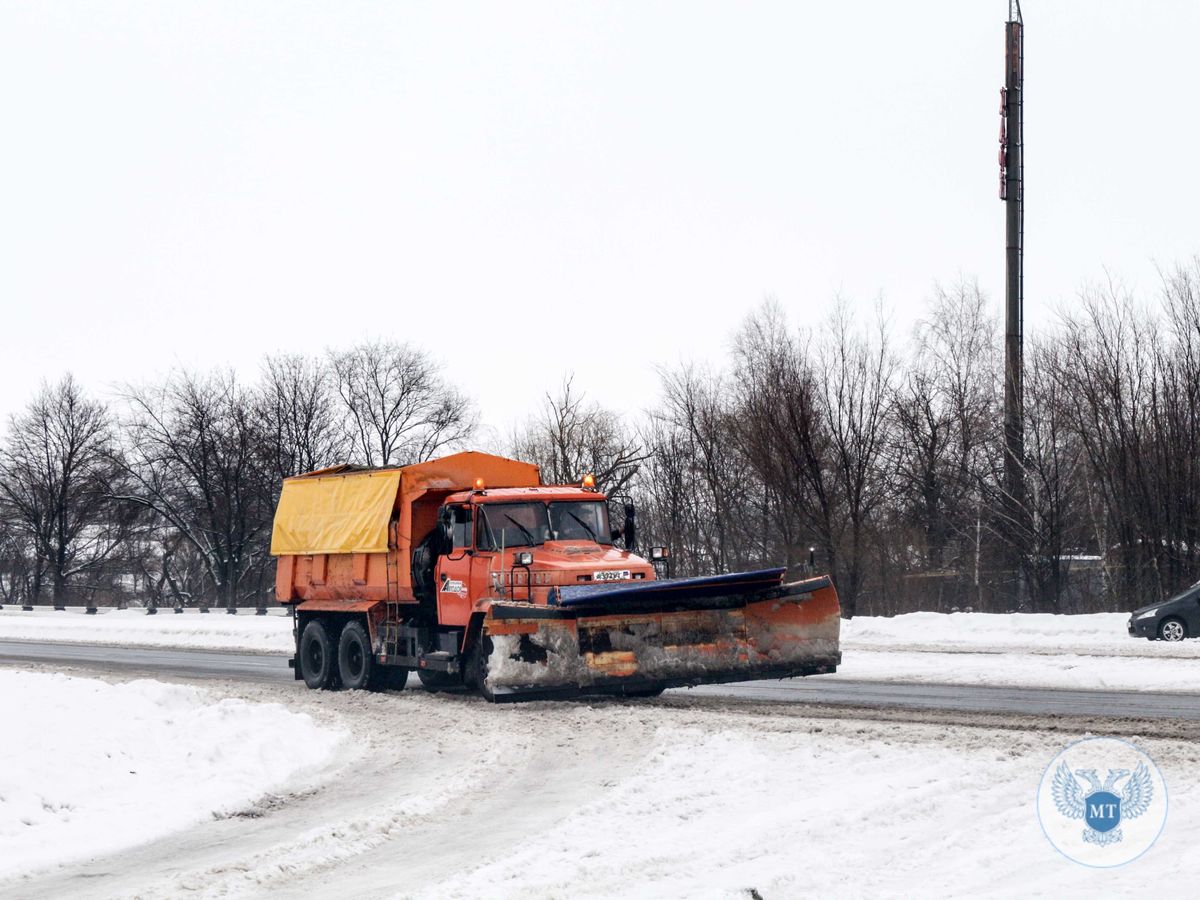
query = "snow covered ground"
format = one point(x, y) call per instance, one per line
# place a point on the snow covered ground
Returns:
point(1018, 649)
point(88, 767)
point(815, 812)
point(1092, 651)
point(453, 797)
point(1100, 634)
point(217, 630)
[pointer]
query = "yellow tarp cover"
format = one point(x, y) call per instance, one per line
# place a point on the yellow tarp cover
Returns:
point(335, 513)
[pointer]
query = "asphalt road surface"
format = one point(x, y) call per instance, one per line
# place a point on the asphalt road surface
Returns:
point(825, 690)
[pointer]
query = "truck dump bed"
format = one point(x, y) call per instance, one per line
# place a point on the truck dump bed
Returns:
point(347, 534)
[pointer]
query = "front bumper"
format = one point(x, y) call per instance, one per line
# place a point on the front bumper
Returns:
point(1143, 628)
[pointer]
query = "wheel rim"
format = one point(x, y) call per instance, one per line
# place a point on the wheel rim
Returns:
point(316, 657)
point(1172, 631)
point(354, 657)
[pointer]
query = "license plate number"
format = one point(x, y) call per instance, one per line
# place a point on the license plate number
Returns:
point(611, 575)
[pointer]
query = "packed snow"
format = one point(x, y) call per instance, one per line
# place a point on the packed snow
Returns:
point(828, 811)
point(1017, 649)
point(88, 767)
point(678, 798)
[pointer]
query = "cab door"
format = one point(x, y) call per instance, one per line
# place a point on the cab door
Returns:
point(453, 581)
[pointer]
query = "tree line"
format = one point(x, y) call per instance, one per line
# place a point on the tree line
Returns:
point(167, 497)
point(877, 455)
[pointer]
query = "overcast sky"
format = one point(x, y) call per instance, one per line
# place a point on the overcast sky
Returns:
point(527, 189)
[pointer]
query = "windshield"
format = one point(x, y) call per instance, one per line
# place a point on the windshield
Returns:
point(512, 525)
point(580, 520)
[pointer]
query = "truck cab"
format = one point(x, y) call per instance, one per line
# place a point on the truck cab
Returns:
point(517, 544)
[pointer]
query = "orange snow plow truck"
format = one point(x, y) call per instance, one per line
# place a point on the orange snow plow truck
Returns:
point(470, 571)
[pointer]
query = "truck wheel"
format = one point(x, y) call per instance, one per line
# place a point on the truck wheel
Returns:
point(316, 656)
point(355, 660)
point(393, 678)
point(477, 666)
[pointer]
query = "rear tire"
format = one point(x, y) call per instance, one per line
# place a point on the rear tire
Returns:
point(316, 656)
point(355, 660)
point(1172, 630)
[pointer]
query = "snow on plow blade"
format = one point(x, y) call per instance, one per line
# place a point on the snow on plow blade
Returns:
point(631, 638)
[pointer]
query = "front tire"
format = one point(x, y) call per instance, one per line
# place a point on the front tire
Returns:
point(356, 663)
point(1172, 630)
point(477, 665)
point(317, 656)
point(394, 678)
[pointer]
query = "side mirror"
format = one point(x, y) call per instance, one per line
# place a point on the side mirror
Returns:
point(445, 529)
point(630, 529)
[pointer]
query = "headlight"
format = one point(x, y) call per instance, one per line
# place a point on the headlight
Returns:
point(1148, 615)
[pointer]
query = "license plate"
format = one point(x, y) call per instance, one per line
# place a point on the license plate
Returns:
point(611, 575)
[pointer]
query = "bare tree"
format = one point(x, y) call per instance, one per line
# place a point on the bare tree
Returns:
point(943, 454)
point(857, 372)
point(782, 431)
point(699, 414)
point(304, 428)
point(572, 438)
point(1054, 461)
point(16, 565)
point(194, 457)
point(399, 410)
point(1107, 378)
point(56, 472)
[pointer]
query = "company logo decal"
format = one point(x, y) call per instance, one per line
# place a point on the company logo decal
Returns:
point(1102, 802)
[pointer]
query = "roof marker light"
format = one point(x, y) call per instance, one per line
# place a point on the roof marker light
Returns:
point(479, 484)
point(589, 482)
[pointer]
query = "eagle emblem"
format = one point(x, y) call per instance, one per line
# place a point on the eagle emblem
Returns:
point(1100, 805)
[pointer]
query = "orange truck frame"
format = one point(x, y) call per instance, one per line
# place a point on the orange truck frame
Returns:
point(471, 572)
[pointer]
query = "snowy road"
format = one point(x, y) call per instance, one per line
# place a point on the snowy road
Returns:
point(921, 755)
point(828, 691)
point(690, 796)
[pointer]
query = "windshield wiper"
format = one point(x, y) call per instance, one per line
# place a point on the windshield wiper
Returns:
point(586, 526)
point(525, 531)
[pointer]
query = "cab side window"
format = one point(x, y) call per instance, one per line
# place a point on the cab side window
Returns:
point(460, 526)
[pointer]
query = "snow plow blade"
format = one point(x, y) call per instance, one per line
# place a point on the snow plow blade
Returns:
point(637, 638)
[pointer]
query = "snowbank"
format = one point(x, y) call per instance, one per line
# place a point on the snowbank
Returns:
point(1092, 652)
point(1098, 634)
point(88, 767)
point(133, 628)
